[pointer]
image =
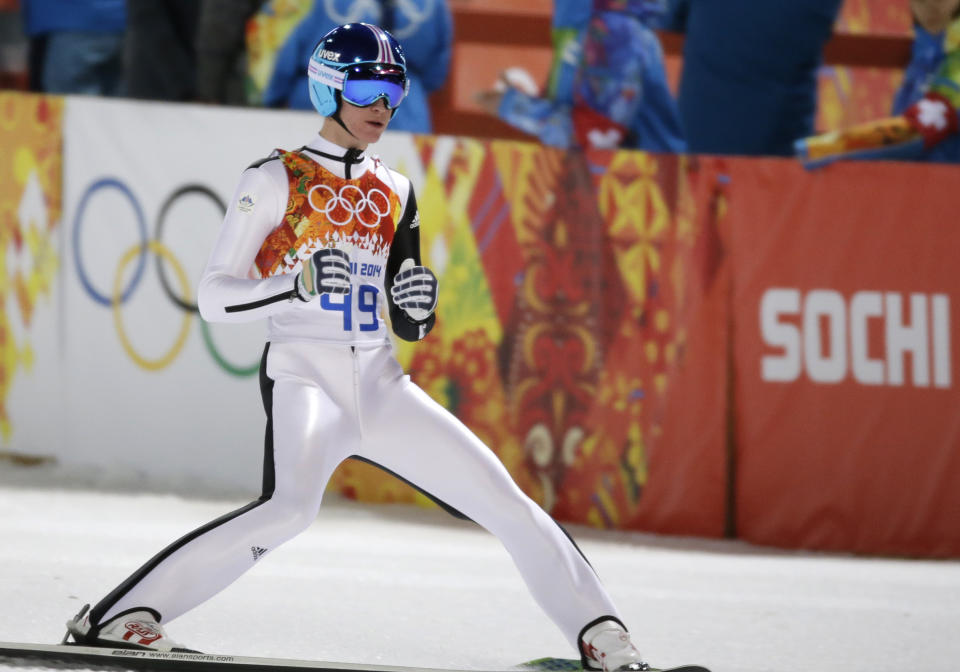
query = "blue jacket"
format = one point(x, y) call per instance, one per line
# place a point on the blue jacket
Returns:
point(423, 27)
point(609, 61)
point(749, 83)
point(926, 59)
point(95, 16)
point(926, 56)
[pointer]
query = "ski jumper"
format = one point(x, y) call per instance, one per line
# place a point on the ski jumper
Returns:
point(332, 388)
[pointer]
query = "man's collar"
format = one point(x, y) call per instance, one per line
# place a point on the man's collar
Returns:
point(331, 150)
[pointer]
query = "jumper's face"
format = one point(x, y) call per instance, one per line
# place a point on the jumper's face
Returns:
point(934, 15)
point(366, 123)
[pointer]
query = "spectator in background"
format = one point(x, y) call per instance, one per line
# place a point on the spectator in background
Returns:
point(926, 119)
point(607, 87)
point(931, 18)
point(423, 27)
point(266, 32)
point(934, 68)
point(14, 73)
point(186, 50)
point(749, 83)
point(75, 47)
point(221, 50)
point(159, 60)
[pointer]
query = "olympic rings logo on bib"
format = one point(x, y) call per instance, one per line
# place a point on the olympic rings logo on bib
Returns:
point(138, 254)
point(368, 209)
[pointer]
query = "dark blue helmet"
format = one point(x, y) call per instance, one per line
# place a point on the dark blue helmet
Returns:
point(363, 62)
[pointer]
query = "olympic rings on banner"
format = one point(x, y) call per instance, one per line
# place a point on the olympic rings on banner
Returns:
point(158, 235)
point(238, 371)
point(165, 256)
point(157, 248)
point(104, 183)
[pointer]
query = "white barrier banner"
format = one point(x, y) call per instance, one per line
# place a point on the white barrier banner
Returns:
point(152, 390)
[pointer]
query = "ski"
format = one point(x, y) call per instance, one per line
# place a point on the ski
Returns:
point(72, 656)
point(572, 665)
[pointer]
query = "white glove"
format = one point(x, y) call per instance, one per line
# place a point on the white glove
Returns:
point(415, 290)
point(327, 271)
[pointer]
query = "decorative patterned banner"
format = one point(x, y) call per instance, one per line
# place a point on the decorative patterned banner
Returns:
point(566, 293)
point(30, 192)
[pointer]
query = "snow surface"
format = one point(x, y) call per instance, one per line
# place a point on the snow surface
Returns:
point(407, 586)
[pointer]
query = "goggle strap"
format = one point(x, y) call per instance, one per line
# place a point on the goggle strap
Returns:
point(328, 76)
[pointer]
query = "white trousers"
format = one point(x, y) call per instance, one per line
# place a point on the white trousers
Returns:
point(326, 403)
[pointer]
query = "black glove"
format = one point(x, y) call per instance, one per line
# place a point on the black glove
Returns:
point(326, 272)
point(415, 290)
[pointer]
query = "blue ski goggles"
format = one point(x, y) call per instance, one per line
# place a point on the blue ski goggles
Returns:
point(364, 84)
point(367, 83)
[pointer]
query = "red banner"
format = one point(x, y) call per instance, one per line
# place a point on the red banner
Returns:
point(847, 393)
point(702, 345)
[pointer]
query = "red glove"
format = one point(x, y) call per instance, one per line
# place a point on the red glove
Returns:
point(592, 130)
point(933, 117)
